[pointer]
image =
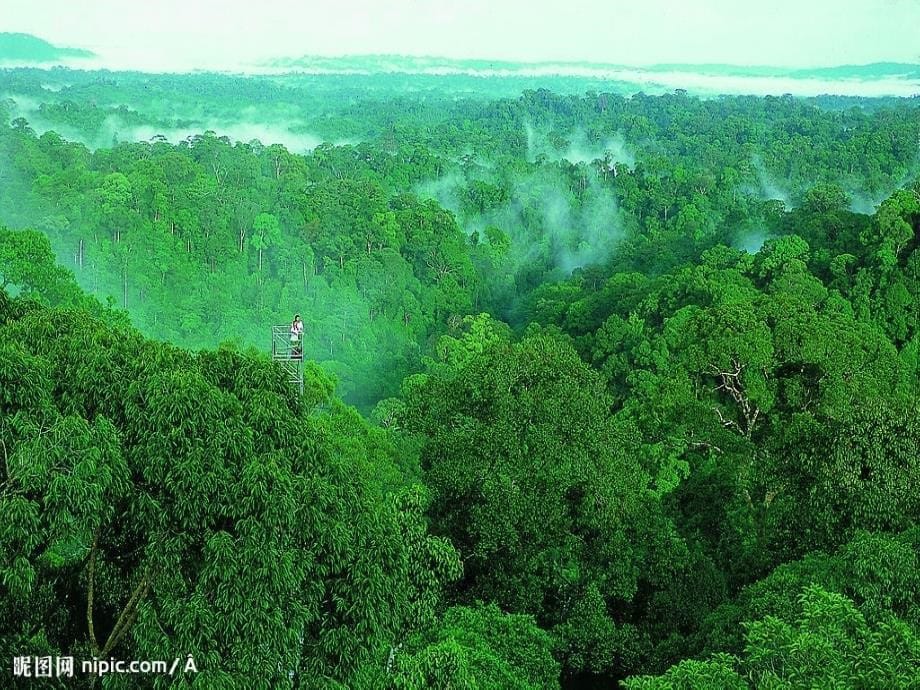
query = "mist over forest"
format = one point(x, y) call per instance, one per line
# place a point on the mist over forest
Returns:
point(609, 375)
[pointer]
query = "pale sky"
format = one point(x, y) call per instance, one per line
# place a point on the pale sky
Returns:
point(185, 34)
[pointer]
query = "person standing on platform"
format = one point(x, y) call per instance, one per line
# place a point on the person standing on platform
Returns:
point(297, 337)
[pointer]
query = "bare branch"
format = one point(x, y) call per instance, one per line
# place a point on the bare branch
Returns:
point(89, 593)
point(127, 616)
point(730, 382)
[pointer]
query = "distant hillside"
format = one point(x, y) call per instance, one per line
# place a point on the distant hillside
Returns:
point(374, 64)
point(28, 48)
point(875, 70)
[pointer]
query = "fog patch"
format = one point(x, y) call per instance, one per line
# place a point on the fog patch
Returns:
point(20, 105)
point(114, 129)
point(769, 188)
point(266, 134)
point(577, 147)
point(446, 191)
point(863, 203)
point(546, 221)
point(752, 241)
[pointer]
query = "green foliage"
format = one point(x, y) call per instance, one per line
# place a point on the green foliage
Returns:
point(690, 674)
point(478, 647)
point(858, 472)
point(535, 485)
point(657, 386)
point(202, 504)
point(210, 239)
point(829, 645)
point(879, 572)
point(206, 242)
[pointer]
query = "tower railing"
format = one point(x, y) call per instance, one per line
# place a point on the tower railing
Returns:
point(288, 354)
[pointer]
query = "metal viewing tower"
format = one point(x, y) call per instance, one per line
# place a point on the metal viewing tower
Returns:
point(288, 354)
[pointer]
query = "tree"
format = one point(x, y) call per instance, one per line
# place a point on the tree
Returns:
point(830, 645)
point(878, 571)
point(535, 485)
point(477, 647)
point(894, 227)
point(27, 265)
point(266, 232)
point(115, 196)
point(825, 198)
point(839, 476)
point(203, 505)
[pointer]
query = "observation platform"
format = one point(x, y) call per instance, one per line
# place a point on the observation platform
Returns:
point(288, 355)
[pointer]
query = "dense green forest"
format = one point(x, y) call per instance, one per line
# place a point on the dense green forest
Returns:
point(210, 239)
point(603, 390)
